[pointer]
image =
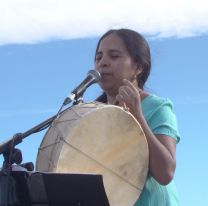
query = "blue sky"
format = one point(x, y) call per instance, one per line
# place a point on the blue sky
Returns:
point(39, 67)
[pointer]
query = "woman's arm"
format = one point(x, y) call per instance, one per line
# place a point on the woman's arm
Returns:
point(162, 149)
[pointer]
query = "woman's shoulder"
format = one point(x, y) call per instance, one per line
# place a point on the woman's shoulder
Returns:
point(154, 101)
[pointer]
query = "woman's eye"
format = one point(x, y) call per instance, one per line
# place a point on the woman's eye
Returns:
point(98, 58)
point(114, 56)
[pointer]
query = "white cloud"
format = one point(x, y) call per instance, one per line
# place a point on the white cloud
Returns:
point(30, 21)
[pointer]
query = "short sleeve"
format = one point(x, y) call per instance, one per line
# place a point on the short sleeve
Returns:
point(163, 120)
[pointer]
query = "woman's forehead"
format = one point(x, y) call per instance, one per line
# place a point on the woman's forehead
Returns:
point(112, 42)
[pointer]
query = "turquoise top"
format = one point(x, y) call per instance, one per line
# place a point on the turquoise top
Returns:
point(161, 119)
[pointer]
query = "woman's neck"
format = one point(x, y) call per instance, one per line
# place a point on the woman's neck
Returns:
point(112, 100)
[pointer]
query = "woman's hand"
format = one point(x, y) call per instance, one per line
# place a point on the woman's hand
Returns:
point(129, 96)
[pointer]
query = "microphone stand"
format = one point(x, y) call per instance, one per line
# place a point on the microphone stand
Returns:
point(12, 155)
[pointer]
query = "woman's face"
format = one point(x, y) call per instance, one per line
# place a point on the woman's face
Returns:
point(114, 64)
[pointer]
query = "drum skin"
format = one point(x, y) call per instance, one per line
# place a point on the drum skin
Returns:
point(102, 139)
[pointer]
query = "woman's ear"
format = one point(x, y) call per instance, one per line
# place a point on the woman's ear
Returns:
point(139, 70)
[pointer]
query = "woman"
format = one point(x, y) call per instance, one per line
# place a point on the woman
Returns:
point(123, 60)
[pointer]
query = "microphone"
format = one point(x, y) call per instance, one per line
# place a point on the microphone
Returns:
point(92, 77)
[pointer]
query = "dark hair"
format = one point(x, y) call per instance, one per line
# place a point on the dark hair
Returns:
point(138, 49)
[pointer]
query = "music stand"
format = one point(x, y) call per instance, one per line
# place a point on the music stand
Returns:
point(57, 189)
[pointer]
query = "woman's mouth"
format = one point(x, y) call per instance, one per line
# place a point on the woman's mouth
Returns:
point(105, 75)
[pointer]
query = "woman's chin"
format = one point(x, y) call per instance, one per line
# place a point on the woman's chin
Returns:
point(109, 89)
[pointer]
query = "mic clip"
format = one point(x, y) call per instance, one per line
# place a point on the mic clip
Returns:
point(73, 97)
point(69, 99)
point(78, 101)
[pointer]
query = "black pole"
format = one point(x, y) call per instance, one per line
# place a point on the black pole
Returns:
point(13, 155)
point(16, 139)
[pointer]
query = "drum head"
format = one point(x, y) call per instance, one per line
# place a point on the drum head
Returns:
point(100, 140)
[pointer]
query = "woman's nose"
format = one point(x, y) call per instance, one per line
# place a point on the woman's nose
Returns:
point(104, 61)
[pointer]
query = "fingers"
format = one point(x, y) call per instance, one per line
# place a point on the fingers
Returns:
point(129, 97)
point(128, 90)
point(125, 91)
point(124, 95)
point(122, 102)
point(128, 94)
point(120, 99)
point(130, 85)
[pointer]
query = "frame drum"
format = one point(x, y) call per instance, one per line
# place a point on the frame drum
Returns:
point(102, 139)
